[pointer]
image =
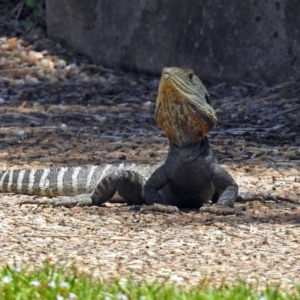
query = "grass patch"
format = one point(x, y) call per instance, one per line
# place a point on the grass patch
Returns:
point(49, 282)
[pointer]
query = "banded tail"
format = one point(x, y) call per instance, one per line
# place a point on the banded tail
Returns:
point(65, 181)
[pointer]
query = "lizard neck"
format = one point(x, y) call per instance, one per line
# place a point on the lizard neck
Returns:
point(191, 151)
point(182, 123)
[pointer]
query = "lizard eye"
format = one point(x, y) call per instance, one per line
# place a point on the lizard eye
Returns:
point(190, 76)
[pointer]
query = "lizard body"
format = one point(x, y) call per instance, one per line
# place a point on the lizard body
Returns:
point(188, 178)
point(189, 175)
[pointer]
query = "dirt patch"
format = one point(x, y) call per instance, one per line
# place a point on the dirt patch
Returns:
point(87, 114)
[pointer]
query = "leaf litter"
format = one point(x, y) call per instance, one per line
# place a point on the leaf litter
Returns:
point(57, 108)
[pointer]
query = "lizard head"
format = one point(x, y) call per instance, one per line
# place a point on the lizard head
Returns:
point(183, 110)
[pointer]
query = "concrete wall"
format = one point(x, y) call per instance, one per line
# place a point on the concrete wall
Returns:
point(229, 40)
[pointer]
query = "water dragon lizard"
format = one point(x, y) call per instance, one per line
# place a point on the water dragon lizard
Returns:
point(188, 177)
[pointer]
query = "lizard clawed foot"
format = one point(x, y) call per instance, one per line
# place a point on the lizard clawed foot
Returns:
point(220, 209)
point(80, 200)
point(169, 209)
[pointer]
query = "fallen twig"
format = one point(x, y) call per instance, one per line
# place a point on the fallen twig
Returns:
point(245, 197)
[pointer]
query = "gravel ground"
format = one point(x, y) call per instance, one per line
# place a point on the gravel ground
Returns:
point(57, 109)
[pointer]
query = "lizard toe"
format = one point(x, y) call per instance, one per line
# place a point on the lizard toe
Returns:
point(79, 200)
point(169, 209)
point(220, 209)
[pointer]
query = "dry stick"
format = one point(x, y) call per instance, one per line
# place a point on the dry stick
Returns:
point(283, 112)
point(250, 84)
point(241, 131)
point(60, 236)
point(18, 115)
point(21, 69)
point(19, 11)
point(261, 197)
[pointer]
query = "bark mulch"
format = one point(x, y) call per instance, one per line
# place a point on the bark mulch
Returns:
point(56, 108)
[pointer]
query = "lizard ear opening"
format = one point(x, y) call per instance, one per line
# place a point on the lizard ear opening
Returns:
point(207, 99)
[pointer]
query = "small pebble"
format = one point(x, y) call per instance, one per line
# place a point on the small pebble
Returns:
point(20, 133)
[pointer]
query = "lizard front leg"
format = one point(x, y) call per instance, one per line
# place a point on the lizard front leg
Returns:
point(153, 199)
point(223, 181)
